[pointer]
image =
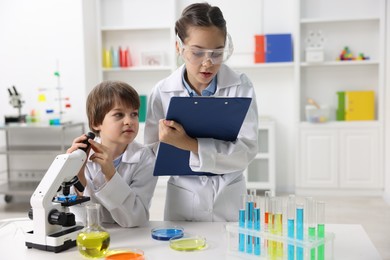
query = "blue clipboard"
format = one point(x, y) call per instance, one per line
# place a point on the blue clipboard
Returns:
point(202, 117)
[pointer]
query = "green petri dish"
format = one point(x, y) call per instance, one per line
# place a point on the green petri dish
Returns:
point(190, 243)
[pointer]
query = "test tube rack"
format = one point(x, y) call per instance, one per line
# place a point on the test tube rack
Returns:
point(266, 238)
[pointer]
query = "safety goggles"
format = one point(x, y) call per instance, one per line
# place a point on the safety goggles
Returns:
point(199, 56)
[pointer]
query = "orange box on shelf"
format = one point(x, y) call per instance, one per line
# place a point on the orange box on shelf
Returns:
point(259, 55)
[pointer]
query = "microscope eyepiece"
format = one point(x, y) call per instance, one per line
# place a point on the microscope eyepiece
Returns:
point(90, 135)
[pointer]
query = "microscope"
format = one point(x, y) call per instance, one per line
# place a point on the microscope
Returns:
point(15, 100)
point(54, 227)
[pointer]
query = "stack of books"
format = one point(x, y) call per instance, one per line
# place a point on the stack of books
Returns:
point(273, 48)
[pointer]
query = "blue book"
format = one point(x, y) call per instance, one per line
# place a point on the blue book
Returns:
point(202, 117)
point(278, 48)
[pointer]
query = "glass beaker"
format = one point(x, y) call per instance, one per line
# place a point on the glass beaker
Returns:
point(93, 241)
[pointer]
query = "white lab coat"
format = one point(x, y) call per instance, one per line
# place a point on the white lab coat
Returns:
point(126, 198)
point(207, 198)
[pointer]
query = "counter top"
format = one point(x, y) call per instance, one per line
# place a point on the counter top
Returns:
point(351, 242)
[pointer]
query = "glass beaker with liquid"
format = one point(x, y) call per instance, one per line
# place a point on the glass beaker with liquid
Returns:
point(93, 241)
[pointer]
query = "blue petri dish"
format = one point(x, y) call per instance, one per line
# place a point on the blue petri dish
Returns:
point(166, 233)
point(69, 198)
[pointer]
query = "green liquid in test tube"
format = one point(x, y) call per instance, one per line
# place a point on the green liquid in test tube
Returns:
point(311, 222)
point(321, 228)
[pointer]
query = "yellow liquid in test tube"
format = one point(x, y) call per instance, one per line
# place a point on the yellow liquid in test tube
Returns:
point(278, 229)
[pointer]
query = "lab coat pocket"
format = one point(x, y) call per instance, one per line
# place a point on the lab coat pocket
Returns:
point(230, 200)
point(179, 203)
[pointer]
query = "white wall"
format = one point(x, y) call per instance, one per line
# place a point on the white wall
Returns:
point(35, 35)
point(387, 110)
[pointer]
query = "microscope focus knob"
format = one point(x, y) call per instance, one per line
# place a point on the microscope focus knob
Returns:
point(61, 218)
point(30, 214)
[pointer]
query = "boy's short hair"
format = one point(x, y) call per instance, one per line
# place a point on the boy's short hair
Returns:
point(105, 96)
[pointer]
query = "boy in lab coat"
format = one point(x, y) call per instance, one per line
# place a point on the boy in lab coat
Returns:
point(119, 172)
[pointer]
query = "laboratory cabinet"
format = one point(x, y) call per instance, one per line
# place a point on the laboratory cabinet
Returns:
point(260, 174)
point(340, 159)
point(336, 154)
point(27, 152)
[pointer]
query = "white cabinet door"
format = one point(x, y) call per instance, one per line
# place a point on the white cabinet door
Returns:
point(318, 159)
point(359, 158)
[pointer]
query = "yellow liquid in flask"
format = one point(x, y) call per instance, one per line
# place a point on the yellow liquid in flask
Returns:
point(93, 244)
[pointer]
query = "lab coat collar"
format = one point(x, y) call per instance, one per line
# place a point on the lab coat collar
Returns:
point(226, 77)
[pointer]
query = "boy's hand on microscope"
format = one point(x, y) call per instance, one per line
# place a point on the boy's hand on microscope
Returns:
point(103, 157)
point(78, 143)
point(173, 133)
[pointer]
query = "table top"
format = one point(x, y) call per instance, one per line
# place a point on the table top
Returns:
point(38, 125)
point(351, 242)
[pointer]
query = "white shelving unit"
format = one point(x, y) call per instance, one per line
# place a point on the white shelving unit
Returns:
point(124, 24)
point(29, 150)
point(260, 174)
point(340, 156)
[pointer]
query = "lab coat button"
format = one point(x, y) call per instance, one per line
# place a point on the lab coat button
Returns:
point(204, 178)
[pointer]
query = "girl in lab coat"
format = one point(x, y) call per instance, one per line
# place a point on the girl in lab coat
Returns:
point(119, 172)
point(204, 44)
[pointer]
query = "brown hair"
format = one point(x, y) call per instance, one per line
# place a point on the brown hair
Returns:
point(200, 14)
point(103, 98)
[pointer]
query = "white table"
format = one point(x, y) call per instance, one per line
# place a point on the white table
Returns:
point(351, 242)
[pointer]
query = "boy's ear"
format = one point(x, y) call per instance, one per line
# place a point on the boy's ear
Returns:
point(96, 128)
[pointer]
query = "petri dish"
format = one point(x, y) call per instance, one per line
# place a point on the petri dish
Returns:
point(69, 198)
point(125, 254)
point(166, 233)
point(188, 243)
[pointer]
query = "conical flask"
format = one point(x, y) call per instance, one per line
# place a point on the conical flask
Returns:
point(93, 241)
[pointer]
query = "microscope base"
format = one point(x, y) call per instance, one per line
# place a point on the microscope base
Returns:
point(56, 242)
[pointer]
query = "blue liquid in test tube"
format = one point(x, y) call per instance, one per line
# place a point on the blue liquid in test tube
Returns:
point(257, 226)
point(290, 225)
point(241, 223)
point(299, 218)
point(249, 222)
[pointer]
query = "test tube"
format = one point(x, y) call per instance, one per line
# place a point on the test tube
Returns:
point(271, 227)
point(267, 198)
point(290, 225)
point(241, 223)
point(299, 225)
point(249, 222)
point(311, 223)
point(257, 225)
point(321, 228)
point(278, 226)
